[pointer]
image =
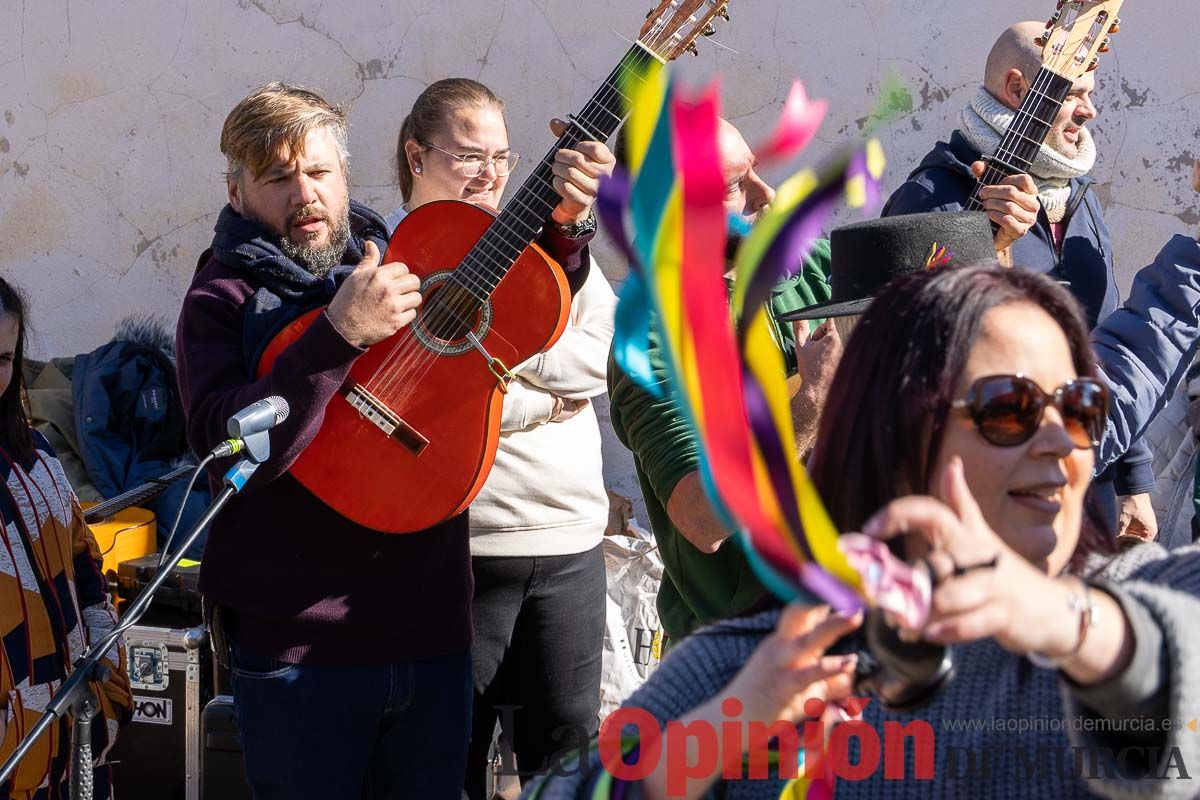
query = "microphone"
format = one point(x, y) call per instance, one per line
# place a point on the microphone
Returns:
point(255, 418)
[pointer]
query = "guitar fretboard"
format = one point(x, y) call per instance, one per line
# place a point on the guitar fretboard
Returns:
point(518, 225)
point(1020, 144)
point(102, 511)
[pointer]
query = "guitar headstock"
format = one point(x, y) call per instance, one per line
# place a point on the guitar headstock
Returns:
point(674, 26)
point(1077, 33)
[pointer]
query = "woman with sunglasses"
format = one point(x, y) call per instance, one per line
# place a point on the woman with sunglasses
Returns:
point(969, 412)
point(536, 528)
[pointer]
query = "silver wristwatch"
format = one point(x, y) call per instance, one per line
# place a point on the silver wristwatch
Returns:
point(574, 230)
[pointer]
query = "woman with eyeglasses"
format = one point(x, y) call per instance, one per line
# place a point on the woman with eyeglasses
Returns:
point(970, 409)
point(536, 528)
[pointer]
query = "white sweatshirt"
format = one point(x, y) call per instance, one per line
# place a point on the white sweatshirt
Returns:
point(545, 495)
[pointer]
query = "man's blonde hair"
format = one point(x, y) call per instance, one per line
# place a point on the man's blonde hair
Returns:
point(275, 119)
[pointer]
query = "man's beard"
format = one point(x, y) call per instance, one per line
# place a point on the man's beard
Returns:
point(318, 260)
point(1056, 141)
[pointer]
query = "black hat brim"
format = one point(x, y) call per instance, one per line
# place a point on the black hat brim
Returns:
point(842, 308)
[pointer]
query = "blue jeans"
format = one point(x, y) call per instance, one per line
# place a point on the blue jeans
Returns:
point(383, 733)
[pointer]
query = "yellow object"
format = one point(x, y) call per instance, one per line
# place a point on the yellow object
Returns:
point(128, 534)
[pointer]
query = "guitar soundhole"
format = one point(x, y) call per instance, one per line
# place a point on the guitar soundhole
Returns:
point(448, 313)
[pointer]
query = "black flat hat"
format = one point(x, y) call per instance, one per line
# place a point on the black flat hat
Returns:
point(867, 255)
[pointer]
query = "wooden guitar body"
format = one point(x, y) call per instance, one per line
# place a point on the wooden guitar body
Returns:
point(440, 395)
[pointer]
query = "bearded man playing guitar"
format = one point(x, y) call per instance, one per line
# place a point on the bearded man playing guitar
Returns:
point(1051, 219)
point(349, 648)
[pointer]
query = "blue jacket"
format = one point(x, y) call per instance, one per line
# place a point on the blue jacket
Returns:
point(943, 182)
point(130, 424)
point(1145, 347)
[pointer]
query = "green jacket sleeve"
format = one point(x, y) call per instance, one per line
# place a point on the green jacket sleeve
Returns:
point(808, 287)
point(653, 429)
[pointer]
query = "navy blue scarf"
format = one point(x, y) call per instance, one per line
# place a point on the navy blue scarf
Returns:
point(244, 245)
point(284, 290)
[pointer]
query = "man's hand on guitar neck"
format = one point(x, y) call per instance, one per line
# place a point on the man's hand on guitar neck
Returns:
point(375, 300)
point(577, 176)
point(1012, 204)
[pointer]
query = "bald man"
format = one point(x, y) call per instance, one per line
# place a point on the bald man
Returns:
point(1050, 221)
point(704, 578)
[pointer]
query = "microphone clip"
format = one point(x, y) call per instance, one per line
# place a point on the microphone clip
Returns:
point(256, 447)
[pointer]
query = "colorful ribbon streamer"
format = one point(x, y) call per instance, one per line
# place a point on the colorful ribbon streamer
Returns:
point(735, 396)
point(724, 369)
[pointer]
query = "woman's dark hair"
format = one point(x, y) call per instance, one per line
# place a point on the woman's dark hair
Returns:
point(428, 117)
point(14, 419)
point(897, 379)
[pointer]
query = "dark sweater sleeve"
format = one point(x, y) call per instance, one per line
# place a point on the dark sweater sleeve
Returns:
point(1140, 692)
point(1134, 473)
point(566, 251)
point(214, 386)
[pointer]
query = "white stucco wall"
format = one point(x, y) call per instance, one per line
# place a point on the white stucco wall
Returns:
point(110, 177)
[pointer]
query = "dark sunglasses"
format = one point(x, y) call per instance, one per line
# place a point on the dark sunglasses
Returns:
point(1007, 409)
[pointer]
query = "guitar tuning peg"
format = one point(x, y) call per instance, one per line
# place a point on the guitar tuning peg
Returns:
point(691, 48)
point(1092, 66)
point(1116, 26)
point(1054, 20)
point(709, 30)
point(724, 13)
point(1040, 41)
point(1104, 46)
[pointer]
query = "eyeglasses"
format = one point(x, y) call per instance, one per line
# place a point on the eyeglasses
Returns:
point(472, 165)
point(1007, 409)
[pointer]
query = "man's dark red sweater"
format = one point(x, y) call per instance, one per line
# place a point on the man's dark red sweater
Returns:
point(298, 581)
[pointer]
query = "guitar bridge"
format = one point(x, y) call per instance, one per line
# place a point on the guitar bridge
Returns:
point(373, 409)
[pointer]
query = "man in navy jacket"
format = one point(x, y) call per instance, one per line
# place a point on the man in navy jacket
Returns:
point(1050, 221)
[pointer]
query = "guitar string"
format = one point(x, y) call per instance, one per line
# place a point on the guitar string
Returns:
point(453, 311)
point(404, 365)
point(993, 174)
point(464, 302)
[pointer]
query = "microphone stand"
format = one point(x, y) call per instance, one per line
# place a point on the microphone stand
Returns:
point(75, 696)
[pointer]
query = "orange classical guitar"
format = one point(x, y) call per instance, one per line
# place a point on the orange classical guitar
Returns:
point(411, 437)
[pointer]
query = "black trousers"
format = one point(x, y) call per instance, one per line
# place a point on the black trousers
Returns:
point(539, 631)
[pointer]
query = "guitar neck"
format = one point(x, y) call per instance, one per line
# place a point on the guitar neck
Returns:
point(518, 225)
point(148, 490)
point(1019, 145)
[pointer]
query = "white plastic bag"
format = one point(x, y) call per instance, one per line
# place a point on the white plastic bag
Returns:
point(633, 638)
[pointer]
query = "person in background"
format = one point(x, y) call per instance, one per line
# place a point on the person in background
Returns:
point(1050, 221)
point(705, 578)
point(54, 600)
point(536, 527)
